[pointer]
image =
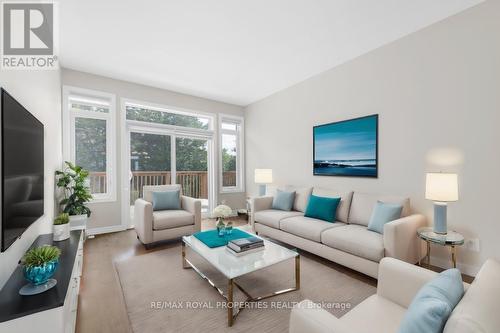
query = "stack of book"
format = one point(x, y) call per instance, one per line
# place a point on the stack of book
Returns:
point(242, 246)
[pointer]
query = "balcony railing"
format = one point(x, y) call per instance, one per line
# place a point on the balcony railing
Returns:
point(194, 183)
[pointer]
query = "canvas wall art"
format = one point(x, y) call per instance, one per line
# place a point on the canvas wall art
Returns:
point(347, 148)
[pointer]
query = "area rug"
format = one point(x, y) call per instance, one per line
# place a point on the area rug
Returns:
point(161, 296)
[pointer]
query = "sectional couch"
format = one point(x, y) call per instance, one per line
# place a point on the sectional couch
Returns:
point(346, 241)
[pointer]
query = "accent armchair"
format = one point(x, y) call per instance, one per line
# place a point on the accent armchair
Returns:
point(154, 226)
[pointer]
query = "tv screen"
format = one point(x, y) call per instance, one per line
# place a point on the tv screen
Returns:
point(346, 148)
point(22, 169)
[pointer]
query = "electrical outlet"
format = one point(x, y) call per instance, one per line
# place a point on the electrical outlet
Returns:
point(473, 244)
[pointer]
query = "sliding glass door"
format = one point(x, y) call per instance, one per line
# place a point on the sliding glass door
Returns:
point(191, 156)
point(160, 157)
point(150, 162)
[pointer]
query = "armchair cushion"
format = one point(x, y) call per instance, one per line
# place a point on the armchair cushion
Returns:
point(357, 240)
point(433, 304)
point(166, 200)
point(167, 219)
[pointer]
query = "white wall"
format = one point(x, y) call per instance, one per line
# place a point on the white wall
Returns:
point(40, 93)
point(437, 94)
point(109, 214)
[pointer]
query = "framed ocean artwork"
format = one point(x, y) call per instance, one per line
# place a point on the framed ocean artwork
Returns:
point(346, 148)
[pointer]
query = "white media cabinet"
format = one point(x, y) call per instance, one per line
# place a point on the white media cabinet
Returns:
point(53, 311)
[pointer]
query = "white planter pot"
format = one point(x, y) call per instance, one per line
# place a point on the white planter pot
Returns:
point(78, 222)
point(61, 232)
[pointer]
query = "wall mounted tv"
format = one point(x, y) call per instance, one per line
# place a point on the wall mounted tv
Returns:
point(22, 169)
point(346, 148)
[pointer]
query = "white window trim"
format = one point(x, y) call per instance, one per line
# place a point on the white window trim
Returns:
point(69, 136)
point(240, 153)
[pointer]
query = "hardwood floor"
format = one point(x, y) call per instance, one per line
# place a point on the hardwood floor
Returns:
point(101, 307)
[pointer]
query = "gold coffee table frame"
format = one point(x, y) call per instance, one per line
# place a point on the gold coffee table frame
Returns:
point(231, 314)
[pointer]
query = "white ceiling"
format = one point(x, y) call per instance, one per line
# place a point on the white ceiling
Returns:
point(234, 51)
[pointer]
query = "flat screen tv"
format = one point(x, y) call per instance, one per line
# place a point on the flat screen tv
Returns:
point(346, 148)
point(22, 169)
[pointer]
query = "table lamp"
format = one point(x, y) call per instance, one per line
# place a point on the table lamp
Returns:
point(263, 177)
point(441, 188)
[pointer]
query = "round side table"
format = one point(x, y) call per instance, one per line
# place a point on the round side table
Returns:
point(452, 239)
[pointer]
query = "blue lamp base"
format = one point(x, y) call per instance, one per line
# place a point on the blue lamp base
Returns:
point(440, 226)
point(262, 190)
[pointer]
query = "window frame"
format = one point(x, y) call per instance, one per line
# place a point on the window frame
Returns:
point(240, 152)
point(69, 142)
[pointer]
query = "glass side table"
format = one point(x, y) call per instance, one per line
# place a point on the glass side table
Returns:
point(451, 239)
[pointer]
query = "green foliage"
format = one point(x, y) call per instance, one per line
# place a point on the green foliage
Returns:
point(39, 256)
point(228, 160)
point(63, 218)
point(91, 144)
point(73, 181)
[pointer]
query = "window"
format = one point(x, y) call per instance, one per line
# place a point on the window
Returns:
point(231, 156)
point(89, 137)
point(166, 117)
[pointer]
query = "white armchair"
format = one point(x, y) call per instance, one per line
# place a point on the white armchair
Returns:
point(398, 283)
point(153, 226)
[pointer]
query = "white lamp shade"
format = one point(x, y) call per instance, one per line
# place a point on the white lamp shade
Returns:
point(441, 187)
point(263, 176)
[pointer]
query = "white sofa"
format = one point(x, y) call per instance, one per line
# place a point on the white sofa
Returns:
point(153, 226)
point(347, 241)
point(398, 283)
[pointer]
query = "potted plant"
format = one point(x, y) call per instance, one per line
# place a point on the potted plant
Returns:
point(61, 227)
point(221, 212)
point(73, 182)
point(39, 265)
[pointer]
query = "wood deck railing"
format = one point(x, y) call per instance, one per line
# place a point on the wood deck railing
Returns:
point(194, 183)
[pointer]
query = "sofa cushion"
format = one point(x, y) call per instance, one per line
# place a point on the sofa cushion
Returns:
point(272, 217)
point(322, 208)
point(344, 205)
point(307, 227)
point(283, 200)
point(478, 310)
point(363, 203)
point(167, 219)
point(433, 304)
point(383, 213)
point(357, 240)
point(374, 314)
point(301, 197)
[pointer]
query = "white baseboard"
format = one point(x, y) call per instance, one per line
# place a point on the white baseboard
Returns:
point(105, 230)
point(470, 270)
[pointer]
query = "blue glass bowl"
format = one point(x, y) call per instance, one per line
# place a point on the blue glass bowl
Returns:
point(38, 275)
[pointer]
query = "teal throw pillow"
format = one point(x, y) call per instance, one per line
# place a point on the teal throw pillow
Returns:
point(383, 213)
point(322, 208)
point(433, 304)
point(166, 200)
point(283, 200)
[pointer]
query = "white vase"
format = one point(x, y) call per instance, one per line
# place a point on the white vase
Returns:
point(78, 222)
point(61, 232)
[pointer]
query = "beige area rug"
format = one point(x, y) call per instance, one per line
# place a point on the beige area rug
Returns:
point(162, 297)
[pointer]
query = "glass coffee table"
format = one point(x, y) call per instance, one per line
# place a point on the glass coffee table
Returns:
point(451, 239)
point(233, 267)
